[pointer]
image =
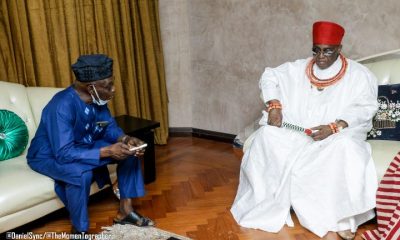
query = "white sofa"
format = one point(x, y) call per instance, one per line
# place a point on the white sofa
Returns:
point(386, 67)
point(24, 194)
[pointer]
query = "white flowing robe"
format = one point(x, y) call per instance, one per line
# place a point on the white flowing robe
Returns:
point(330, 184)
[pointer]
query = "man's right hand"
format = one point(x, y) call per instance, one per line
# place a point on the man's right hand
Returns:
point(275, 117)
point(118, 151)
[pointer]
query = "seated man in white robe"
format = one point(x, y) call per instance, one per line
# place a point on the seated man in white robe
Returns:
point(328, 177)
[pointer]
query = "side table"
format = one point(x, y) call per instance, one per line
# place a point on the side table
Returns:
point(144, 130)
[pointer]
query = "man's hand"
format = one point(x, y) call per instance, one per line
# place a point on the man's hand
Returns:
point(118, 151)
point(323, 131)
point(134, 142)
point(275, 117)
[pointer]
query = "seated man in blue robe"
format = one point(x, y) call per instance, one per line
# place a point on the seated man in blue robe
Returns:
point(77, 137)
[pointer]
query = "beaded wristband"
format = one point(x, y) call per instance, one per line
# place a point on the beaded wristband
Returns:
point(334, 127)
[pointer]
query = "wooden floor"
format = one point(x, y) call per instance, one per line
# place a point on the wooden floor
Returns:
point(195, 187)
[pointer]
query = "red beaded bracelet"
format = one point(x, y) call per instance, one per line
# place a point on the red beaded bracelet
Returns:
point(334, 127)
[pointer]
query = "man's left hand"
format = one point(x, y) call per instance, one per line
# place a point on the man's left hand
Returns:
point(323, 131)
point(133, 142)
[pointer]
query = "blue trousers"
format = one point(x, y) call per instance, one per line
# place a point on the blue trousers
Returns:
point(75, 197)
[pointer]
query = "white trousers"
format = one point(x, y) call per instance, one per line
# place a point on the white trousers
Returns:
point(330, 184)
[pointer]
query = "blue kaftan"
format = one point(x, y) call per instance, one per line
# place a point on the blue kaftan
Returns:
point(66, 148)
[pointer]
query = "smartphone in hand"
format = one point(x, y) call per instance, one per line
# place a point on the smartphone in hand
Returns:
point(135, 148)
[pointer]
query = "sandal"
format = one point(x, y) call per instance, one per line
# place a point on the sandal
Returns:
point(136, 219)
point(346, 235)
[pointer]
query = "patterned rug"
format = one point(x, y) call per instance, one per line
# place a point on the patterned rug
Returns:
point(130, 232)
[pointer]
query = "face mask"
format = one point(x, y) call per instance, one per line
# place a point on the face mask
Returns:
point(100, 101)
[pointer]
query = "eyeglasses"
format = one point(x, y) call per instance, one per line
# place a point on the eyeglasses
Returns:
point(327, 52)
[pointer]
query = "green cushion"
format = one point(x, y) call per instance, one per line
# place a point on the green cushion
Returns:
point(13, 135)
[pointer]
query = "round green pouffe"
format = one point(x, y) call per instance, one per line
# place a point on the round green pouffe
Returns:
point(13, 135)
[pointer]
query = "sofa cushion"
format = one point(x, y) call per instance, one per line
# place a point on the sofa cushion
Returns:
point(21, 187)
point(386, 124)
point(383, 152)
point(385, 67)
point(38, 98)
point(13, 135)
point(13, 97)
